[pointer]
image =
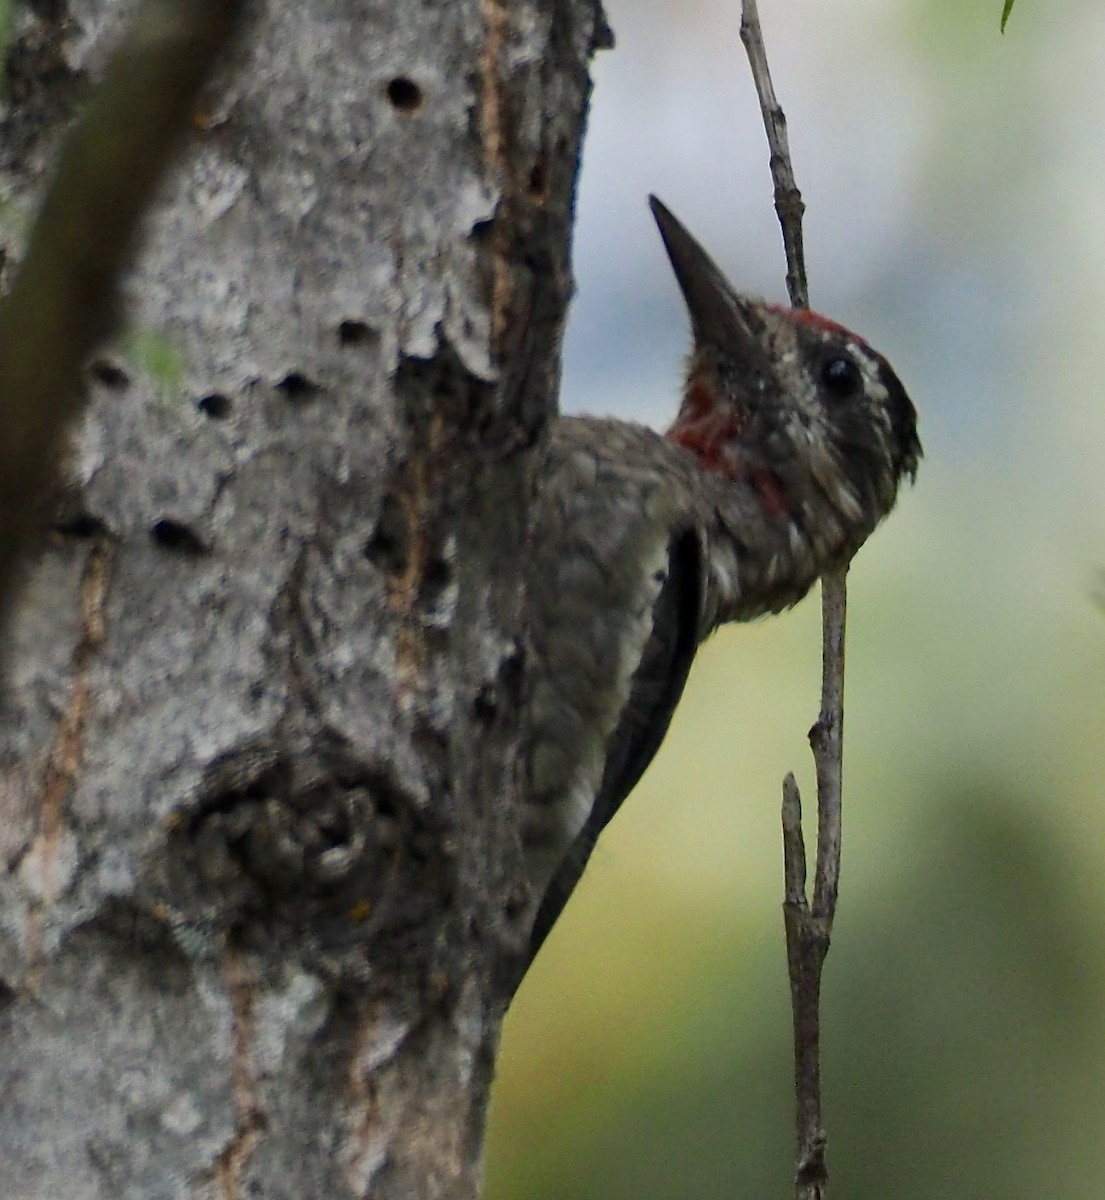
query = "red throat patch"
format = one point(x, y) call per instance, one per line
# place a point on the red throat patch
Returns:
point(773, 496)
point(709, 428)
point(706, 427)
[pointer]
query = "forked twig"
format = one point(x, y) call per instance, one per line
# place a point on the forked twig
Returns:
point(808, 926)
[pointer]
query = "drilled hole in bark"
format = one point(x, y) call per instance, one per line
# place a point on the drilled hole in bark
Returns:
point(175, 535)
point(486, 704)
point(405, 95)
point(516, 903)
point(435, 579)
point(386, 549)
point(511, 671)
point(355, 333)
point(296, 386)
point(539, 180)
point(214, 405)
point(437, 591)
point(384, 804)
point(110, 374)
point(80, 525)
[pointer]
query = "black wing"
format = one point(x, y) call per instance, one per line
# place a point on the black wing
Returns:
point(654, 692)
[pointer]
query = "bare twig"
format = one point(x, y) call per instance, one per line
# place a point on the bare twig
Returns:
point(789, 205)
point(808, 927)
point(65, 296)
point(827, 742)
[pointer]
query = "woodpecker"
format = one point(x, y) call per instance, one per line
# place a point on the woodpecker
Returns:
point(789, 446)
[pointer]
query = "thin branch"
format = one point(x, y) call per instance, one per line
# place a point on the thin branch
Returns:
point(827, 743)
point(806, 948)
point(65, 298)
point(808, 928)
point(789, 205)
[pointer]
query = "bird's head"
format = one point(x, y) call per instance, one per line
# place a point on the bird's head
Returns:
point(789, 403)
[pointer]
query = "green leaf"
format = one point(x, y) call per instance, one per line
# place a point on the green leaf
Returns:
point(1005, 13)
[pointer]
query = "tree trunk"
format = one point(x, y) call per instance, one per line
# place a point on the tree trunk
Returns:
point(262, 884)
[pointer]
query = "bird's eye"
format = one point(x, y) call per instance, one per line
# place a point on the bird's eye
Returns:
point(841, 376)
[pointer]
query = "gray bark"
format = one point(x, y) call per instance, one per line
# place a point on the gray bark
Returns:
point(260, 883)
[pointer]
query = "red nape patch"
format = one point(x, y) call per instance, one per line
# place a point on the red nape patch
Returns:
point(806, 316)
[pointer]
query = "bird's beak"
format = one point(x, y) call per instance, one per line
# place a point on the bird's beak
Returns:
point(719, 316)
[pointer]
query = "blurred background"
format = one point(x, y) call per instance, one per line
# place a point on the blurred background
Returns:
point(955, 183)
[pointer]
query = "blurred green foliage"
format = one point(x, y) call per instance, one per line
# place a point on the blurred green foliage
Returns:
point(964, 1029)
point(962, 1011)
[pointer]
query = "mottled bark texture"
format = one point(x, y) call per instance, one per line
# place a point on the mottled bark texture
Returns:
point(260, 870)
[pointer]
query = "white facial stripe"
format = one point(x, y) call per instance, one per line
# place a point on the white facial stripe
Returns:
point(873, 386)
